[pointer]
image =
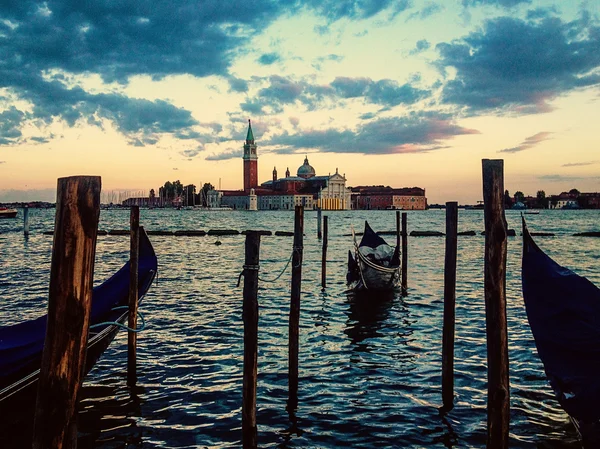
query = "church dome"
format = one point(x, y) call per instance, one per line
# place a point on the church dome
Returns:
point(306, 170)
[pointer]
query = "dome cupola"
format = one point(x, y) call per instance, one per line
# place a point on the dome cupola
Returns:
point(306, 171)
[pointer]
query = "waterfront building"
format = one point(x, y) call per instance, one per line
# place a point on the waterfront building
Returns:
point(385, 197)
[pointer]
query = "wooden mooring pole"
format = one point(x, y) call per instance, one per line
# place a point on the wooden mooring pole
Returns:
point(324, 255)
point(69, 305)
point(250, 318)
point(404, 283)
point(26, 221)
point(134, 256)
point(294, 331)
point(449, 306)
point(319, 234)
point(495, 304)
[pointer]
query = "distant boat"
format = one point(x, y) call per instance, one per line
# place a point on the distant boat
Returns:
point(532, 212)
point(7, 213)
point(21, 345)
point(563, 310)
point(375, 264)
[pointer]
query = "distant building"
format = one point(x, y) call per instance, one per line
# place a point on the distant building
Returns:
point(306, 188)
point(380, 197)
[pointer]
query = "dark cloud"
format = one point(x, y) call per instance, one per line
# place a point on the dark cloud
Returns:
point(580, 164)
point(415, 133)
point(237, 84)
point(501, 3)
point(269, 58)
point(230, 153)
point(528, 143)
point(357, 9)
point(10, 124)
point(429, 10)
point(519, 65)
point(420, 46)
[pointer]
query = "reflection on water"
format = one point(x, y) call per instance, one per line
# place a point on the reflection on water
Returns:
point(370, 371)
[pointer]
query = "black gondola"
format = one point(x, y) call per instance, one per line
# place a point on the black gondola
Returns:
point(21, 345)
point(563, 310)
point(375, 265)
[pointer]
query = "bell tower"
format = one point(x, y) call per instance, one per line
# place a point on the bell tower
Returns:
point(250, 161)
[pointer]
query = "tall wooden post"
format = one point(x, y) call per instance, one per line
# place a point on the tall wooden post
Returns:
point(324, 255)
point(26, 221)
point(134, 254)
point(495, 304)
point(69, 305)
point(449, 306)
point(398, 229)
point(319, 234)
point(404, 256)
point(294, 331)
point(250, 318)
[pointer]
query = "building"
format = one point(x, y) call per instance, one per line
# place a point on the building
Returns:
point(328, 192)
point(385, 197)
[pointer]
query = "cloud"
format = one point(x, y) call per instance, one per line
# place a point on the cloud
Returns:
point(420, 46)
point(2, 162)
point(519, 66)
point(500, 3)
point(10, 123)
point(528, 143)
point(580, 164)
point(230, 153)
point(429, 10)
point(269, 58)
point(415, 133)
point(192, 152)
point(563, 178)
point(357, 9)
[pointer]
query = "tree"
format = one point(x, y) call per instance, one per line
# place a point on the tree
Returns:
point(574, 193)
point(541, 199)
point(507, 200)
point(189, 191)
point(519, 196)
point(205, 188)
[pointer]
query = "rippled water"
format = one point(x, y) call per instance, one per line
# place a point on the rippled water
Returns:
point(368, 377)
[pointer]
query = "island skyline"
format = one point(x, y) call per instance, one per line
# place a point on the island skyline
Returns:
point(393, 93)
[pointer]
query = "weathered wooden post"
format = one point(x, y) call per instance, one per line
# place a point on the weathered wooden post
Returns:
point(69, 305)
point(404, 256)
point(324, 255)
point(495, 304)
point(134, 254)
point(250, 318)
point(294, 331)
point(398, 229)
point(26, 221)
point(319, 234)
point(449, 306)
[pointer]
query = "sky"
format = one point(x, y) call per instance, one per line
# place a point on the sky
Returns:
point(389, 92)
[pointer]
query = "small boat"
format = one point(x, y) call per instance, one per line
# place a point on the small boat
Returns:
point(7, 213)
point(563, 310)
point(375, 265)
point(532, 212)
point(21, 345)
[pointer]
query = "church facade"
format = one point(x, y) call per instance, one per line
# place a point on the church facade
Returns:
point(328, 192)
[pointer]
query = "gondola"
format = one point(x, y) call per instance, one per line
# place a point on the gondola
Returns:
point(375, 265)
point(21, 344)
point(563, 310)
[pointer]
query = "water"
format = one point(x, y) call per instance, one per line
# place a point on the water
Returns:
point(367, 378)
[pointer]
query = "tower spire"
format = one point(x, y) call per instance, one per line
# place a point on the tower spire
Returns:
point(250, 135)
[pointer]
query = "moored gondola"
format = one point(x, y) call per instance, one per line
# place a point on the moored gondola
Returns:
point(375, 265)
point(563, 310)
point(21, 345)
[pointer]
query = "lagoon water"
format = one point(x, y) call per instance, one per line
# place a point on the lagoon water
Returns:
point(368, 378)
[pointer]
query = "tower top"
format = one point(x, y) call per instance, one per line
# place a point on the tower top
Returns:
point(250, 135)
